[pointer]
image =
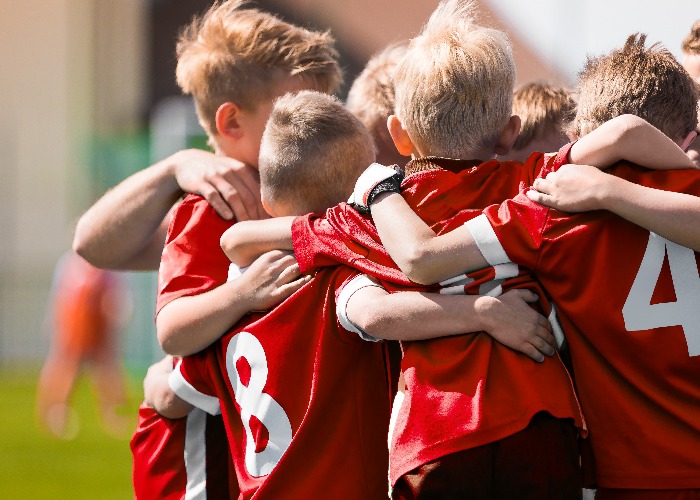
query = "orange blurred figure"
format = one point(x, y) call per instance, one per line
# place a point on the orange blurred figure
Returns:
point(87, 310)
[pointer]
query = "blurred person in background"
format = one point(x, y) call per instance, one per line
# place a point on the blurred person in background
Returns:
point(88, 308)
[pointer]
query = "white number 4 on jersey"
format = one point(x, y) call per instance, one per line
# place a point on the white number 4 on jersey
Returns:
point(640, 314)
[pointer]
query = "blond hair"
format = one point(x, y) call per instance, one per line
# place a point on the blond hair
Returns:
point(371, 97)
point(454, 87)
point(691, 43)
point(240, 54)
point(649, 83)
point(312, 152)
point(544, 110)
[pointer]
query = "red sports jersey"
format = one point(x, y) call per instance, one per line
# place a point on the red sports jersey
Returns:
point(305, 402)
point(192, 261)
point(180, 459)
point(463, 391)
point(628, 301)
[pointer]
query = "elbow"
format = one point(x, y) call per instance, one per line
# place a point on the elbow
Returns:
point(232, 243)
point(415, 265)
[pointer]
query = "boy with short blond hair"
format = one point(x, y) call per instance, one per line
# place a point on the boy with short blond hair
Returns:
point(234, 60)
point(544, 110)
point(643, 288)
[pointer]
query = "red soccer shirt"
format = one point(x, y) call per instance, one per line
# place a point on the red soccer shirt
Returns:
point(159, 447)
point(628, 301)
point(192, 260)
point(463, 391)
point(305, 402)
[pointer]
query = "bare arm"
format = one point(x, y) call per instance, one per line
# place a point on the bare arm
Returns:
point(189, 324)
point(246, 241)
point(628, 137)
point(125, 229)
point(422, 255)
point(158, 394)
point(580, 188)
point(420, 316)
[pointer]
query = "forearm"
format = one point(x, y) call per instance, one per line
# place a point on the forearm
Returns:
point(629, 138)
point(418, 315)
point(158, 394)
point(246, 241)
point(122, 230)
point(189, 324)
point(420, 254)
point(673, 216)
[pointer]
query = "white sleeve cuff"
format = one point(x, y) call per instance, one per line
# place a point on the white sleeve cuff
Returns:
point(487, 241)
point(186, 391)
point(359, 281)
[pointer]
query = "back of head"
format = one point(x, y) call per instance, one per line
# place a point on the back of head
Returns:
point(454, 87)
point(312, 152)
point(647, 82)
point(239, 54)
point(371, 99)
point(544, 110)
point(691, 43)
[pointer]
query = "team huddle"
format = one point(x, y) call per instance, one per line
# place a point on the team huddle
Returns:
point(432, 309)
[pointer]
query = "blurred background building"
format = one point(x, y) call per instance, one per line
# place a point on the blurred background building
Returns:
point(83, 80)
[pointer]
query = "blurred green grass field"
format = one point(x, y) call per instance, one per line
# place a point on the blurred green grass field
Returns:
point(34, 465)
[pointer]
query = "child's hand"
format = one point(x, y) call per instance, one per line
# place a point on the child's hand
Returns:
point(230, 187)
point(513, 323)
point(269, 280)
point(572, 188)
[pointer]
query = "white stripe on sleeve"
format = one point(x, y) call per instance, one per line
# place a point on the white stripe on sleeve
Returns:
point(487, 241)
point(358, 282)
point(186, 391)
point(196, 455)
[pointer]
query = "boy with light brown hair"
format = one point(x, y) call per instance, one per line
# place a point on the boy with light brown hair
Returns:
point(544, 111)
point(371, 98)
point(235, 61)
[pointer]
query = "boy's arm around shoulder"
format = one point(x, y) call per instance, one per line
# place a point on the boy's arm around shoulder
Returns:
point(630, 138)
point(414, 315)
point(246, 241)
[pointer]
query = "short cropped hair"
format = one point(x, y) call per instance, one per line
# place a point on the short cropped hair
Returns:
point(691, 43)
point(238, 54)
point(371, 97)
point(454, 87)
point(647, 82)
point(312, 152)
point(544, 110)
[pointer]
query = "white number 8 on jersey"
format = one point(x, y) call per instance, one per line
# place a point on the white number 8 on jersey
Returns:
point(254, 402)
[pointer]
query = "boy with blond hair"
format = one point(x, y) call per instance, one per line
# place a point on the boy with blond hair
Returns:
point(234, 61)
point(544, 110)
point(691, 52)
point(645, 426)
point(371, 99)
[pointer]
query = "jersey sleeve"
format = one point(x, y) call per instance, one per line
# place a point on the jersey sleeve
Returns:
point(317, 244)
point(189, 382)
point(192, 260)
point(343, 295)
point(510, 232)
point(551, 162)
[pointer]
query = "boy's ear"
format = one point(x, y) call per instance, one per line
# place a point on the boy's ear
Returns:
point(267, 208)
point(227, 122)
point(404, 144)
point(508, 135)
